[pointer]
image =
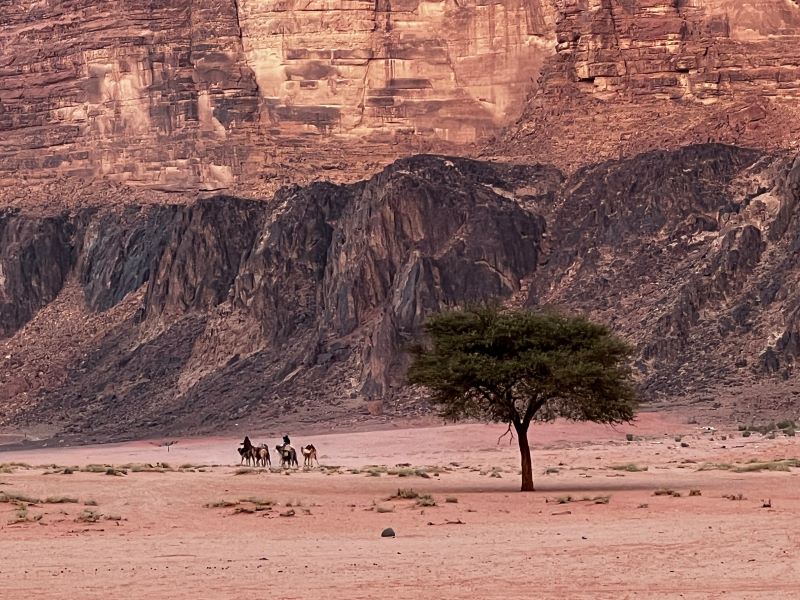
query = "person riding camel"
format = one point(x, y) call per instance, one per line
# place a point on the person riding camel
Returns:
point(287, 443)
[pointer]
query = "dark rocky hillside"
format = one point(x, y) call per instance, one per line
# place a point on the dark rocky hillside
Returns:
point(142, 320)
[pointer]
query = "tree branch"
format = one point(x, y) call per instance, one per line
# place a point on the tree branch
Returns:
point(508, 431)
point(531, 410)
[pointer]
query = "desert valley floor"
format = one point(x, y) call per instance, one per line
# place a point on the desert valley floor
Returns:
point(679, 512)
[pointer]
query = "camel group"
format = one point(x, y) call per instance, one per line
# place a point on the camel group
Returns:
point(259, 455)
point(255, 455)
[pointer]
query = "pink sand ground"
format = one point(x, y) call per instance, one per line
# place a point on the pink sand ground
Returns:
point(494, 542)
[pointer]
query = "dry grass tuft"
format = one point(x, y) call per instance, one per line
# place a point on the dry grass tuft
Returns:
point(630, 468)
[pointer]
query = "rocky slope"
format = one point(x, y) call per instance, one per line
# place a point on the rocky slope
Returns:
point(186, 95)
point(139, 320)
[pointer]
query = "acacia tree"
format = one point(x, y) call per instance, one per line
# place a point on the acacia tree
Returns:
point(517, 366)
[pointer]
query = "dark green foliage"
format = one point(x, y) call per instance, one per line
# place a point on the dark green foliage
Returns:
point(509, 365)
point(516, 366)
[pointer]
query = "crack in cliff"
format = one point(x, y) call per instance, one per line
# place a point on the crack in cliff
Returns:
point(236, 15)
point(240, 31)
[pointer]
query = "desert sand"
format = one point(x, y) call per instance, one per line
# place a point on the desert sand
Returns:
point(592, 530)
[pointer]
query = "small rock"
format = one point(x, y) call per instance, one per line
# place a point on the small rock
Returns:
point(388, 532)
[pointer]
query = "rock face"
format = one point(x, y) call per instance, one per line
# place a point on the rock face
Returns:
point(198, 94)
point(454, 70)
point(246, 305)
point(153, 93)
point(632, 75)
point(37, 256)
point(148, 319)
point(247, 94)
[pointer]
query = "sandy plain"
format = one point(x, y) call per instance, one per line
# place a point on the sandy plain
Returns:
point(592, 530)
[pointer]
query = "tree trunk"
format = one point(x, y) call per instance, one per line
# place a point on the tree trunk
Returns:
point(525, 455)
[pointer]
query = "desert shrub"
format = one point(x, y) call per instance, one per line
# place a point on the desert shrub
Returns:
point(258, 501)
point(774, 465)
point(630, 468)
point(22, 515)
point(762, 429)
point(406, 493)
point(88, 516)
point(734, 496)
point(255, 471)
point(630, 437)
point(451, 500)
point(60, 500)
point(426, 500)
point(13, 497)
point(695, 493)
point(221, 504)
point(95, 468)
point(715, 467)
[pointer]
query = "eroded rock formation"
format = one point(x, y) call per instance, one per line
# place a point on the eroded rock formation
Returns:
point(633, 75)
point(200, 94)
point(248, 94)
point(185, 318)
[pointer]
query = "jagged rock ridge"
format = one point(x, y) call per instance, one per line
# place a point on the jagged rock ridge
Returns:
point(185, 318)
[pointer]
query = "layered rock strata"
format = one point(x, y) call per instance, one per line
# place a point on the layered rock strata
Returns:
point(202, 94)
point(628, 76)
point(246, 95)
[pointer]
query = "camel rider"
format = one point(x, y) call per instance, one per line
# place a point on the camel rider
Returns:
point(287, 443)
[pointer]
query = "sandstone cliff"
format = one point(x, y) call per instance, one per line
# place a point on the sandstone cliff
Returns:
point(628, 76)
point(200, 94)
point(245, 95)
point(185, 318)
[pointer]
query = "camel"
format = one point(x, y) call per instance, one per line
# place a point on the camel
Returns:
point(309, 455)
point(288, 455)
point(262, 456)
point(248, 452)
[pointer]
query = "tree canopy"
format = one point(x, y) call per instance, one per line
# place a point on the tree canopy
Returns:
point(517, 366)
